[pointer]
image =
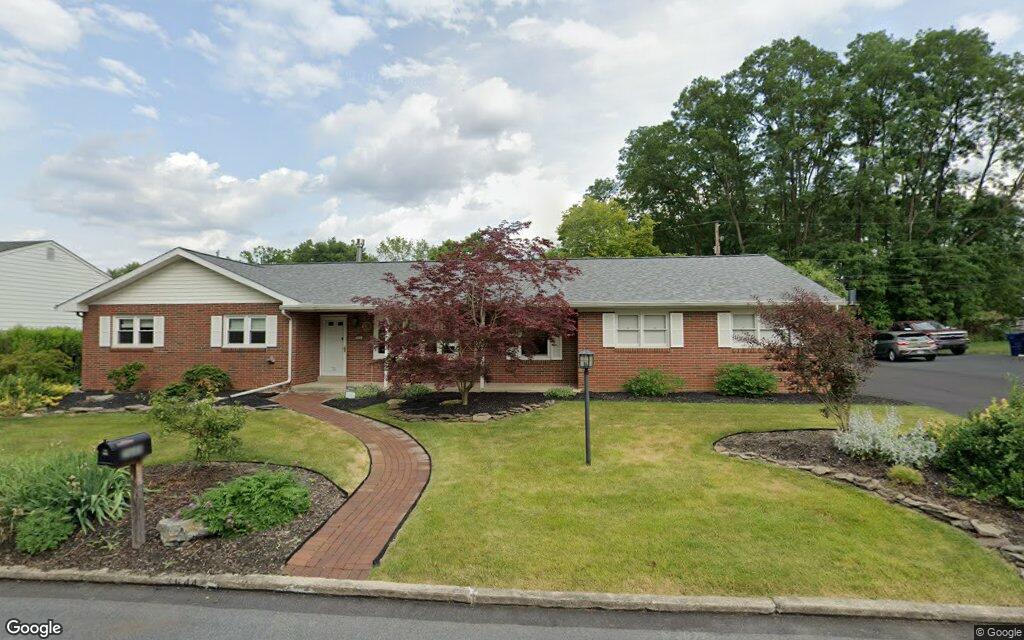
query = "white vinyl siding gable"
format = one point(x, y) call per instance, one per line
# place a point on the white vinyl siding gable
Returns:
point(184, 282)
point(32, 284)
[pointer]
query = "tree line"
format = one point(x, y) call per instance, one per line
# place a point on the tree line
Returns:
point(898, 165)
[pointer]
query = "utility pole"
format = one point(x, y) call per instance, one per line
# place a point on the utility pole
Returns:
point(718, 240)
point(360, 244)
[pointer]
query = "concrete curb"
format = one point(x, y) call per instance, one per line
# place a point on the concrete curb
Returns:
point(891, 609)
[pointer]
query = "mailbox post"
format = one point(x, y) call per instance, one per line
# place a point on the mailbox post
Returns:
point(123, 452)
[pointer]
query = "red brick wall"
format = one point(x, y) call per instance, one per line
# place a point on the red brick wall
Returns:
point(186, 344)
point(695, 362)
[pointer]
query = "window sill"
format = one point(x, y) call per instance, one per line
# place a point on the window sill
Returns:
point(243, 347)
point(133, 347)
point(643, 348)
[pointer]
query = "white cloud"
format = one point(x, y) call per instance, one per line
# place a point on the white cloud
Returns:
point(209, 241)
point(411, 68)
point(201, 44)
point(180, 192)
point(40, 24)
point(20, 71)
point(29, 233)
point(146, 111)
point(133, 21)
point(427, 144)
point(535, 194)
point(121, 70)
point(283, 50)
point(1000, 25)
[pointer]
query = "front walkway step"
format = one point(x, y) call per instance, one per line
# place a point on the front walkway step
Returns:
point(356, 536)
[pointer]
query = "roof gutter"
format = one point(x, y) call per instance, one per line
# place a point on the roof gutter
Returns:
point(276, 384)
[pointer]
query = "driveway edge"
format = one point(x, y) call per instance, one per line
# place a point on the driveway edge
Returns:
point(891, 609)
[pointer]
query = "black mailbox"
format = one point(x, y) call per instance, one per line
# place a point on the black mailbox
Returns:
point(122, 452)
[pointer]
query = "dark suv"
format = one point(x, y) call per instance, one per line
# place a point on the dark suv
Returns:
point(897, 345)
point(955, 340)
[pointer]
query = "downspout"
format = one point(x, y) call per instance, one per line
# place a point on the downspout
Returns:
point(276, 384)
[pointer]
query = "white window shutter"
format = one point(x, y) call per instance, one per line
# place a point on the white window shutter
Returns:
point(271, 331)
point(104, 331)
point(158, 331)
point(675, 326)
point(725, 329)
point(555, 348)
point(216, 331)
point(608, 329)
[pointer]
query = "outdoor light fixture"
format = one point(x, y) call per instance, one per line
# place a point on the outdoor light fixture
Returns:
point(586, 359)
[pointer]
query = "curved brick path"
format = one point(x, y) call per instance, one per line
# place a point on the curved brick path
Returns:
point(355, 537)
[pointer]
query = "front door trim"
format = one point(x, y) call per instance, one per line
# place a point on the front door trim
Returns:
point(323, 344)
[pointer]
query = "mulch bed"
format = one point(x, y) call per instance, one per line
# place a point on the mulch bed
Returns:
point(500, 402)
point(112, 400)
point(814, 447)
point(708, 397)
point(117, 400)
point(170, 488)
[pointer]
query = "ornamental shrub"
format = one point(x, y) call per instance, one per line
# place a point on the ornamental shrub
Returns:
point(70, 484)
point(49, 364)
point(41, 531)
point(745, 380)
point(209, 429)
point(886, 439)
point(560, 393)
point(207, 379)
point(652, 382)
point(984, 453)
point(126, 376)
point(251, 503)
point(369, 391)
point(64, 339)
point(413, 391)
point(24, 392)
point(903, 474)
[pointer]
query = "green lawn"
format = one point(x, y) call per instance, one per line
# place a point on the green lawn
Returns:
point(511, 504)
point(278, 436)
point(990, 347)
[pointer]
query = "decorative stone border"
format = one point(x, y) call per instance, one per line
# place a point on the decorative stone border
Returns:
point(395, 410)
point(986, 534)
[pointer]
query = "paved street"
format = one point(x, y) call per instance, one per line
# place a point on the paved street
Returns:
point(955, 383)
point(114, 612)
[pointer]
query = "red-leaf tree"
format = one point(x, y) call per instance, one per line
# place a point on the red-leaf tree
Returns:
point(484, 301)
point(826, 351)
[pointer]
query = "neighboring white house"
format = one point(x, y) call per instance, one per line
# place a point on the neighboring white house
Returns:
point(37, 275)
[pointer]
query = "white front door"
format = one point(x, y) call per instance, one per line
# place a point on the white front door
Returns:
point(332, 345)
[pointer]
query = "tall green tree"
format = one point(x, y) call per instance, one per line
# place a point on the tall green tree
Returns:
point(898, 165)
point(397, 248)
point(593, 229)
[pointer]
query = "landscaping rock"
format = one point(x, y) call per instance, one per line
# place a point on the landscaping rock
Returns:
point(820, 470)
point(993, 543)
point(99, 398)
point(175, 531)
point(481, 417)
point(394, 402)
point(987, 529)
point(137, 407)
point(85, 409)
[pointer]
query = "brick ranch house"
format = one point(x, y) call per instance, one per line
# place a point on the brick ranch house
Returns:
point(280, 325)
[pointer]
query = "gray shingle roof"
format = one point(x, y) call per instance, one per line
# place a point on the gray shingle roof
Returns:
point(602, 281)
point(7, 245)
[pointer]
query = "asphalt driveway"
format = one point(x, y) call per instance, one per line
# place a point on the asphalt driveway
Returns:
point(957, 384)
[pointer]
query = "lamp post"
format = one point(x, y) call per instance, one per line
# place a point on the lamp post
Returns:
point(586, 358)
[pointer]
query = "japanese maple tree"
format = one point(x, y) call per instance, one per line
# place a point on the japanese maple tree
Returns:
point(485, 300)
point(827, 351)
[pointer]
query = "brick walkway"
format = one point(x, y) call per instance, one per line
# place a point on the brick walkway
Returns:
point(352, 541)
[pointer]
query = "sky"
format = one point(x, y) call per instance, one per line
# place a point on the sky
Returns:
point(129, 128)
